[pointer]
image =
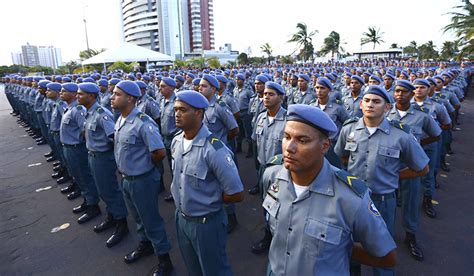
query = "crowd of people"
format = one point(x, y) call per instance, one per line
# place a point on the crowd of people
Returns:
point(336, 147)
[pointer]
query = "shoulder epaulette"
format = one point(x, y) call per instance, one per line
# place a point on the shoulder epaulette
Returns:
point(215, 142)
point(421, 108)
point(79, 107)
point(143, 117)
point(100, 110)
point(351, 120)
point(399, 125)
point(275, 160)
point(221, 102)
point(338, 101)
point(353, 182)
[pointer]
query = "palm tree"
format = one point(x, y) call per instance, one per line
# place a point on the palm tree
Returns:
point(462, 24)
point(332, 44)
point(428, 51)
point(411, 49)
point(304, 39)
point(83, 55)
point(449, 50)
point(372, 36)
point(267, 49)
point(394, 46)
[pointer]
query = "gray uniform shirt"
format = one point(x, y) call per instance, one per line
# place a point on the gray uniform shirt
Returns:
point(269, 135)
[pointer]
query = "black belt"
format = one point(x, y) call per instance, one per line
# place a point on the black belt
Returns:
point(136, 177)
point(72, 146)
point(98, 153)
point(382, 197)
point(199, 219)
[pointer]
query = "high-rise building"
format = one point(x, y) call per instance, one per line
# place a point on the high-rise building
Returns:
point(173, 27)
point(201, 24)
point(17, 58)
point(49, 56)
point(30, 55)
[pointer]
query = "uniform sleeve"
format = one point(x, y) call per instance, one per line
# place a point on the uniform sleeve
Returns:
point(108, 124)
point(449, 107)
point(442, 115)
point(343, 115)
point(154, 109)
point(413, 154)
point(151, 136)
point(223, 167)
point(430, 126)
point(453, 99)
point(370, 230)
point(227, 117)
point(341, 143)
point(80, 117)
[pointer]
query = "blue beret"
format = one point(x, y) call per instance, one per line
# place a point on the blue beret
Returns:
point(191, 75)
point(405, 73)
point(67, 79)
point(406, 84)
point(324, 81)
point(439, 78)
point(192, 98)
point(43, 83)
point(358, 78)
point(89, 87)
point(379, 91)
point(389, 75)
point(79, 80)
point(432, 81)
point(54, 86)
point(330, 76)
point(240, 77)
point(196, 81)
point(131, 76)
point(58, 78)
point(366, 73)
point(312, 116)
point(304, 76)
point(141, 84)
point(180, 78)
point(376, 78)
point(211, 80)
point(37, 79)
point(147, 78)
point(261, 78)
point(169, 81)
point(422, 82)
point(129, 87)
point(70, 87)
point(275, 86)
point(103, 82)
point(222, 79)
point(114, 81)
point(88, 79)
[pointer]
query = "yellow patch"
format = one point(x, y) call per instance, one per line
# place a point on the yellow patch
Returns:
point(214, 140)
point(349, 179)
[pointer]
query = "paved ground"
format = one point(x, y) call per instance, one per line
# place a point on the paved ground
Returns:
point(27, 217)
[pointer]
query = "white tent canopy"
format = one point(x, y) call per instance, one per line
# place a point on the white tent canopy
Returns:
point(128, 52)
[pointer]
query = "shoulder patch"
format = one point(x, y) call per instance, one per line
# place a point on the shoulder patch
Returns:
point(353, 182)
point(215, 142)
point(338, 101)
point(221, 102)
point(399, 125)
point(420, 108)
point(100, 110)
point(143, 117)
point(351, 120)
point(275, 160)
point(78, 107)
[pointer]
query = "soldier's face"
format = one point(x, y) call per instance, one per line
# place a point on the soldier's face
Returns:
point(373, 82)
point(439, 84)
point(321, 91)
point(294, 82)
point(302, 84)
point(355, 85)
point(402, 95)
point(165, 89)
point(421, 91)
point(387, 81)
point(186, 117)
point(259, 86)
point(84, 98)
point(206, 89)
point(271, 98)
point(303, 147)
point(373, 106)
point(120, 99)
point(67, 96)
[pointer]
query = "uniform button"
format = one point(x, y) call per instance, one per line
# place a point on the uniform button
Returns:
point(288, 253)
point(365, 165)
point(181, 171)
point(290, 229)
point(367, 151)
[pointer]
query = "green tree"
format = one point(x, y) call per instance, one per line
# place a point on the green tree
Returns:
point(41, 69)
point(449, 50)
point(267, 49)
point(180, 63)
point(198, 62)
point(411, 49)
point(304, 41)
point(428, 51)
point(120, 65)
point(373, 36)
point(85, 54)
point(394, 46)
point(287, 59)
point(213, 62)
point(332, 44)
point(462, 24)
point(242, 59)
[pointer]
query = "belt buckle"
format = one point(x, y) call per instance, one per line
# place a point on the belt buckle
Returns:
point(382, 198)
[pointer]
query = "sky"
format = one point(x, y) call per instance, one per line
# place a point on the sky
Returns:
point(246, 24)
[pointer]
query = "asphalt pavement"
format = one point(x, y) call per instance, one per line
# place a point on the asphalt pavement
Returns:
point(29, 210)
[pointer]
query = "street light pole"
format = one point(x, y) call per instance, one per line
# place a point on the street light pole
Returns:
point(85, 28)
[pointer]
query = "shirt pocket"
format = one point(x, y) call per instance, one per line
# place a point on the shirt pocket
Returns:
point(66, 120)
point(92, 126)
point(195, 174)
point(320, 237)
point(387, 156)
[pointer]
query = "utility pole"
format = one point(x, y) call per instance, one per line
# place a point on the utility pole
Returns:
point(85, 27)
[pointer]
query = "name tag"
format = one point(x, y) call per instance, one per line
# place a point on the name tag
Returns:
point(271, 205)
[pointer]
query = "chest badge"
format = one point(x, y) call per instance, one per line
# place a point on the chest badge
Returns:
point(275, 187)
